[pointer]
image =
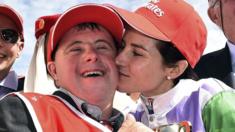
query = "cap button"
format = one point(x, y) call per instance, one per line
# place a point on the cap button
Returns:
point(40, 25)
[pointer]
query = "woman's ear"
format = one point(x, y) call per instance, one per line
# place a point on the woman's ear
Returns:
point(177, 70)
point(52, 71)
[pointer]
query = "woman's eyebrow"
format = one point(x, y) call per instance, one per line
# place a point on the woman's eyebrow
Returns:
point(138, 46)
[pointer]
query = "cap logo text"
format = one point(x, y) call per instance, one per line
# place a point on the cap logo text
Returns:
point(155, 9)
point(155, 1)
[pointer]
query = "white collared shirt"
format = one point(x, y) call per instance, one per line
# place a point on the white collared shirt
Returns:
point(10, 81)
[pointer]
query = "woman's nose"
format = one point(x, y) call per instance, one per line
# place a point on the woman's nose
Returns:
point(121, 59)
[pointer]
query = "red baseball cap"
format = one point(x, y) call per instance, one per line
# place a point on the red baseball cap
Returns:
point(173, 21)
point(12, 14)
point(43, 24)
point(82, 13)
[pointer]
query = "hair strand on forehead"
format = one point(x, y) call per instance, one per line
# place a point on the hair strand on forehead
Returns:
point(92, 26)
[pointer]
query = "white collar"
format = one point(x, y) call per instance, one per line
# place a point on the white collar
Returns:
point(163, 103)
point(231, 47)
point(93, 110)
point(10, 81)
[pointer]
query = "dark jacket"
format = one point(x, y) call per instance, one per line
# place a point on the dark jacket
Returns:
point(217, 65)
point(5, 90)
point(14, 116)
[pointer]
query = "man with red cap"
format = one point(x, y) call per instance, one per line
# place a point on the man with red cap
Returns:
point(11, 46)
point(221, 64)
point(37, 72)
point(81, 50)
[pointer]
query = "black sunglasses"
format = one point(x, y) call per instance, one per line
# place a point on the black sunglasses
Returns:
point(9, 35)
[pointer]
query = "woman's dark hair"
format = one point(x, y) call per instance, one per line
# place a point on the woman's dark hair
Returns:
point(171, 55)
point(83, 26)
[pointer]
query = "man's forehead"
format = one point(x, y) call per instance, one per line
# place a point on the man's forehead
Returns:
point(86, 30)
point(94, 27)
point(86, 35)
point(97, 30)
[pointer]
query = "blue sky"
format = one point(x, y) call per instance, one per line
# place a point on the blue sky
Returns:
point(33, 9)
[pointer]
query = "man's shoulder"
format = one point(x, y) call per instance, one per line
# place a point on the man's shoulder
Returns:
point(10, 100)
point(13, 109)
point(22, 98)
point(11, 105)
point(38, 98)
point(17, 97)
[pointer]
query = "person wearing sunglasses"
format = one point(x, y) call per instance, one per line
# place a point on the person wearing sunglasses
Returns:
point(221, 64)
point(11, 45)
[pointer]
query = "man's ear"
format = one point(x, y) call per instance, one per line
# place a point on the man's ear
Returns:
point(177, 70)
point(52, 70)
point(20, 48)
point(213, 15)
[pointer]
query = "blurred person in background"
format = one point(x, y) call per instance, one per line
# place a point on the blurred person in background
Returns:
point(221, 64)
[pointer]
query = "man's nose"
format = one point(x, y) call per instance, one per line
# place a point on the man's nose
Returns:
point(91, 55)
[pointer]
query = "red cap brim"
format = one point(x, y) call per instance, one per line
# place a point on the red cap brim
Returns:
point(140, 23)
